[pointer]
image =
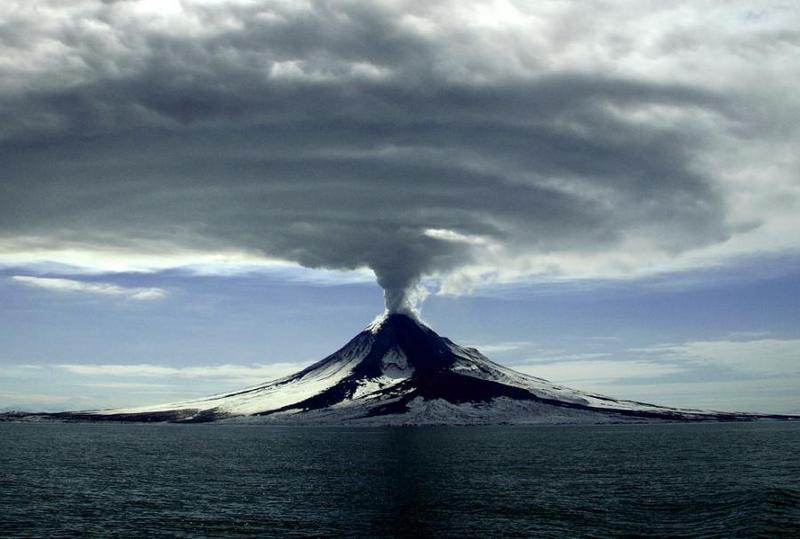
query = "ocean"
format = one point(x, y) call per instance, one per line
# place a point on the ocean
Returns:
point(139, 480)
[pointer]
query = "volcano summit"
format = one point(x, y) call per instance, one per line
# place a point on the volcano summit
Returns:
point(398, 371)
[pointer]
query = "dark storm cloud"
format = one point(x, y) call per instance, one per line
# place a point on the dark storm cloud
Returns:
point(339, 135)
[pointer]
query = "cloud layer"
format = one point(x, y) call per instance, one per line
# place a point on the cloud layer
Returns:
point(89, 287)
point(249, 373)
point(464, 140)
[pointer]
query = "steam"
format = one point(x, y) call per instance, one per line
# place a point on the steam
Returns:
point(398, 299)
point(400, 261)
point(405, 300)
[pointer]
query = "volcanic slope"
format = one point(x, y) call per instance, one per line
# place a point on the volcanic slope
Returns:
point(399, 371)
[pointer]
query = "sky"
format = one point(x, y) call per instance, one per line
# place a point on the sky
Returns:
point(197, 196)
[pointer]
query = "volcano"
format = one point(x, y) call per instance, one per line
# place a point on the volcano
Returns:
point(398, 371)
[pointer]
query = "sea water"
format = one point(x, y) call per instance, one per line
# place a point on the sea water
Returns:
point(129, 480)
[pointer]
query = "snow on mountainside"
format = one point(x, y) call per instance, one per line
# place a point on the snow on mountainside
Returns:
point(399, 371)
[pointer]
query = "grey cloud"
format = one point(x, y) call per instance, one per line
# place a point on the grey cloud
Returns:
point(336, 136)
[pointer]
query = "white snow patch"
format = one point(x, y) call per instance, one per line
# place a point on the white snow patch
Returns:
point(395, 364)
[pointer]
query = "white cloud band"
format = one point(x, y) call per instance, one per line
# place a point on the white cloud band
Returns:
point(90, 287)
point(148, 370)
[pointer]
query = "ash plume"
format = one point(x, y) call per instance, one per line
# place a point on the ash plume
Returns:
point(408, 139)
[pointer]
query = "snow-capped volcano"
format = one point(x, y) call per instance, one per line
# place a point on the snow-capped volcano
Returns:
point(399, 371)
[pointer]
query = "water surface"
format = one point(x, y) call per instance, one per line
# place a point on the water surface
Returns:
point(707, 480)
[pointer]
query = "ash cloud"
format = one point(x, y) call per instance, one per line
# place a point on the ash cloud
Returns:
point(339, 135)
